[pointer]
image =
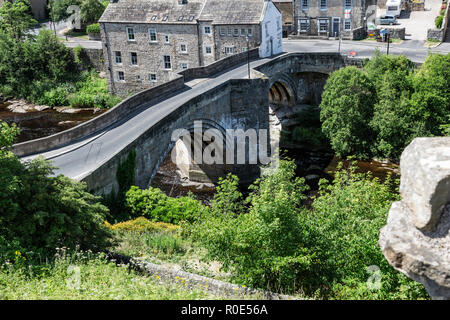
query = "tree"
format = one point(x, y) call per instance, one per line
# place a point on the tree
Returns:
point(58, 9)
point(391, 76)
point(91, 11)
point(16, 18)
point(346, 110)
point(430, 102)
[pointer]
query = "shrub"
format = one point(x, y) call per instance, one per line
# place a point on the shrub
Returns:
point(56, 97)
point(264, 247)
point(44, 212)
point(142, 225)
point(156, 206)
point(93, 28)
point(438, 21)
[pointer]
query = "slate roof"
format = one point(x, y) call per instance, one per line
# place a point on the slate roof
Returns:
point(172, 12)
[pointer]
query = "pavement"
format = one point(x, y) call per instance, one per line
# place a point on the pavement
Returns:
point(79, 159)
point(417, 23)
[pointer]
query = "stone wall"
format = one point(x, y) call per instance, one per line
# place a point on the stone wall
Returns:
point(416, 239)
point(119, 112)
point(218, 66)
point(395, 33)
point(439, 34)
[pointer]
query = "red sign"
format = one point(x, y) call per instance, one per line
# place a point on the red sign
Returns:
point(352, 53)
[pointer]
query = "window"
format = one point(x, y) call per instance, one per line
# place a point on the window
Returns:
point(183, 65)
point(154, 18)
point(323, 25)
point(303, 25)
point(244, 49)
point(120, 76)
point(305, 4)
point(229, 50)
point(167, 63)
point(130, 34)
point(180, 18)
point(236, 32)
point(166, 39)
point(243, 32)
point(208, 50)
point(347, 24)
point(323, 4)
point(138, 78)
point(222, 31)
point(207, 30)
point(152, 35)
point(152, 77)
point(250, 32)
point(134, 59)
point(183, 48)
point(191, 18)
point(347, 3)
point(165, 18)
point(118, 56)
point(230, 32)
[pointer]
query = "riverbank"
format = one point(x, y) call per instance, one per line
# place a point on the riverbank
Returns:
point(38, 121)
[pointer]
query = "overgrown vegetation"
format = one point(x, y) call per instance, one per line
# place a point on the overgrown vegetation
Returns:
point(40, 212)
point(378, 111)
point(43, 70)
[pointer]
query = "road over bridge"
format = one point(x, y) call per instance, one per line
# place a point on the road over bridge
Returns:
point(92, 151)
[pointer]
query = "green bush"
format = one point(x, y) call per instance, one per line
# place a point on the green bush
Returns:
point(93, 28)
point(438, 21)
point(154, 205)
point(56, 97)
point(325, 251)
point(43, 212)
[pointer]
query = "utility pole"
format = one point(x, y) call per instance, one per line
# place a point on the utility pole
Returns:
point(388, 37)
point(248, 57)
point(340, 39)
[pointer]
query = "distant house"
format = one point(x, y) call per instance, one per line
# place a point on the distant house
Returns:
point(286, 7)
point(331, 18)
point(146, 42)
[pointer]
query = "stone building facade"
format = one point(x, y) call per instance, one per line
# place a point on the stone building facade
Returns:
point(146, 43)
point(286, 7)
point(331, 18)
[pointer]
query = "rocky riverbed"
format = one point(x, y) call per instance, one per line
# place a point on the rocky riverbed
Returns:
point(37, 121)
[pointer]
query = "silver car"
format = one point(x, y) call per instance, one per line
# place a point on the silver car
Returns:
point(390, 20)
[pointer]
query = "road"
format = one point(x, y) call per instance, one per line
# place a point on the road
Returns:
point(77, 160)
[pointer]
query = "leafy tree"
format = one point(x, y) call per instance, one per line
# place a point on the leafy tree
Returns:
point(16, 18)
point(392, 77)
point(430, 101)
point(43, 212)
point(91, 11)
point(346, 110)
point(58, 9)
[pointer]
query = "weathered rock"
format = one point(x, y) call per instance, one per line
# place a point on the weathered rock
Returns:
point(425, 180)
point(416, 239)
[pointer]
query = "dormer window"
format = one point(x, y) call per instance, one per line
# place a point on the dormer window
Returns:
point(165, 18)
point(154, 18)
point(180, 18)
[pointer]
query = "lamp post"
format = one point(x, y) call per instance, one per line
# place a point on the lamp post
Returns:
point(248, 56)
point(388, 37)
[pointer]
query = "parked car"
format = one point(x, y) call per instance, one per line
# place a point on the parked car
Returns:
point(391, 20)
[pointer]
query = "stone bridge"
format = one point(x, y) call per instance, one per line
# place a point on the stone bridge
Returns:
point(220, 95)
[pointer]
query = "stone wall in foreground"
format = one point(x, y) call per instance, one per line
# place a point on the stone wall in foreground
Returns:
point(416, 239)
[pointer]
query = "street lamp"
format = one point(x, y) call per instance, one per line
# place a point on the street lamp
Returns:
point(248, 56)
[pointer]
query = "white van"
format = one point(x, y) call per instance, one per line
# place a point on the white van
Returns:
point(393, 8)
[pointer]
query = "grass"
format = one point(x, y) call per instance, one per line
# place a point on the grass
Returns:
point(373, 39)
point(86, 276)
point(77, 34)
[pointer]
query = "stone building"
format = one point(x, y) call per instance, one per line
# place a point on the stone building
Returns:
point(286, 7)
point(331, 18)
point(146, 43)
